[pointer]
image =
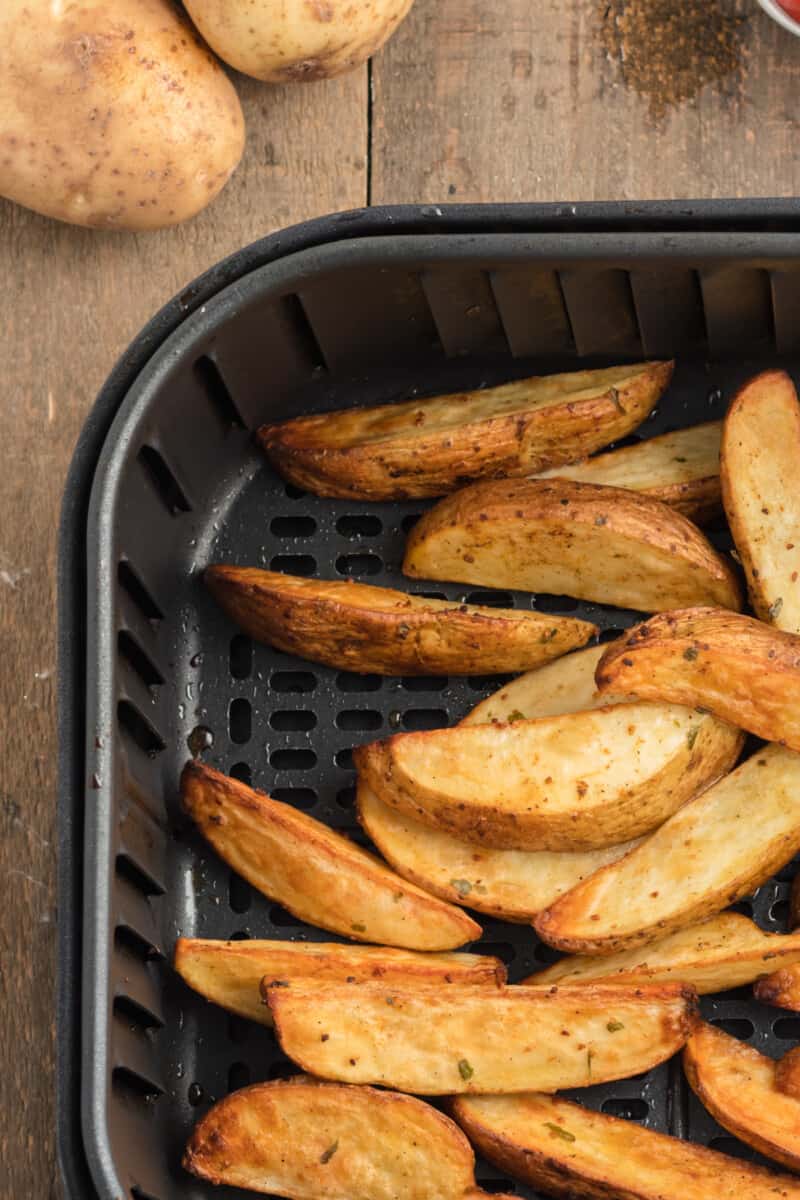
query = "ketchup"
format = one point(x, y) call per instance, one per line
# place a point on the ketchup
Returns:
point(791, 8)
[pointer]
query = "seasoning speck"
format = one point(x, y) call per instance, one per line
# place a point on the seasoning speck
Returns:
point(462, 886)
point(558, 1132)
point(465, 1070)
point(614, 1026)
point(691, 736)
point(359, 928)
point(516, 715)
point(328, 1154)
point(691, 653)
point(774, 609)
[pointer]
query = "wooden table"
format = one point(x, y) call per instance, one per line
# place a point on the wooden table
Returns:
point(474, 100)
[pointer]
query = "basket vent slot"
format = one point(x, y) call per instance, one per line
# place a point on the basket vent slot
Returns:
point(490, 599)
point(356, 525)
point(128, 869)
point(293, 720)
point(240, 658)
point(243, 772)
point(135, 1085)
point(293, 527)
point(240, 895)
point(424, 683)
point(359, 720)
point(215, 388)
point(136, 944)
point(138, 1193)
point(293, 758)
point(141, 663)
point(732, 1146)
point(425, 718)
point(629, 1108)
point(303, 331)
point(359, 564)
point(135, 1014)
point(139, 729)
point(137, 591)
point(738, 1027)
point(240, 721)
point(163, 479)
point(238, 1076)
point(346, 682)
point(787, 1028)
point(346, 797)
point(297, 797)
point(293, 681)
point(294, 564)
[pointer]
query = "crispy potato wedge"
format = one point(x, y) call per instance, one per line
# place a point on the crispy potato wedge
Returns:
point(434, 1043)
point(356, 627)
point(581, 781)
point(724, 952)
point(787, 1073)
point(711, 853)
point(737, 1085)
point(428, 447)
point(317, 874)
point(564, 686)
point(737, 668)
point(576, 539)
point(513, 885)
point(781, 988)
point(681, 469)
point(323, 1141)
point(760, 466)
point(230, 973)
point(573, 1152)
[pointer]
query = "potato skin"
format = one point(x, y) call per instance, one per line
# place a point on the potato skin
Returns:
point(585, 540)
point(743, 671)
point(781, 988)
point(297, 40)
point(356, 627)
point(113, 116)
point(429, 447)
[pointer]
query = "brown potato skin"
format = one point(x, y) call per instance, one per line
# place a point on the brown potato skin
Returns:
point(413, 463)
point(459, 538)
point(610, 1159)
point(242, 1140)
point(738, 668)
point(114, 116)
point(787, 1073)
point(781, 988)
point(335, 624)
point(318, 875)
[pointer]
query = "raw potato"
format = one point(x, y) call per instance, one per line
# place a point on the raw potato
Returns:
point(787, 1073)
point(297, 39)
point(724, 952)
point(711, 853)
point(680, 468)
point(356, 627)
point(735, 667)
point(429, 447)
point(573, 1152)
point(113, 115)
point(231, 973)
point(321, 1141)
point(564, 686)
point(760, 473)
point(575, 539)
point(513, 885)
point(317, 874)
point(581, 781)
point(433, 1043)
point(737, 1086)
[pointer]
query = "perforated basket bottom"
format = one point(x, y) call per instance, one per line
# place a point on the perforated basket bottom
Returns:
point(289, 727)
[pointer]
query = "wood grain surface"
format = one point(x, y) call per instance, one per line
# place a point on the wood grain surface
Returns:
point(473, 100)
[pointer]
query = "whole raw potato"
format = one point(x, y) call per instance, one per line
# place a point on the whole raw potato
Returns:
point(112, 114)
point(282, 40)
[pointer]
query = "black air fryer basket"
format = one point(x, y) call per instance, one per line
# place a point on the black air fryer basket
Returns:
point(356, 309)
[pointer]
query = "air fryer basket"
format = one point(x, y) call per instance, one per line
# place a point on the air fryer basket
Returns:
point(179, 483)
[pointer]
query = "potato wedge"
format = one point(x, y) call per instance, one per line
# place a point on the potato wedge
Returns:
point(564, 686)
point(581, 781)
point(760, 469)
point(711, 853)
point(356, 627)
point(322, 1141)
point(317, 874)
point(513, 885)
point(724, 952)
point(787, 1073)
point(570, 1151)
point(737, 1085)
point(577, 539)
point(681, 469)
point(737, 668)
point(428, 447)
point(431, 1042)
point(781, 988)
point(231, 973)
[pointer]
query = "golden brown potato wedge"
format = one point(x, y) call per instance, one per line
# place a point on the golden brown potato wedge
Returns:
point(231, 973)
point(564, 686)
point(739, 669)
point(680, 468)
point(433, 1043)
point(428, 447)
point(787, 1073)
point(513, 885)
point(577, 539)
point(712, 852)
point(317, 874)
point(760, 472)
point(781, 988)
point(321, 1141)
point(356, 627)
point(581, 781)
point(724, 952)
point(737, 1085)
point(573, 1152)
